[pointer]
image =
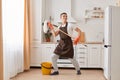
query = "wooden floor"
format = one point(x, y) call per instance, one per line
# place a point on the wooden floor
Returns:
point(65, 74)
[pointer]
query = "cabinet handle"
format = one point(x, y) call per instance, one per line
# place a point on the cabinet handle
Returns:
point(85, 45)
point(81, 57)
point(81, 52)
point(94, 48)
point(82, 62)
point(81, 48)
point(48, 47)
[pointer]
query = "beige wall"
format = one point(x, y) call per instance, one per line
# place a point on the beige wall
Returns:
point(1, 47)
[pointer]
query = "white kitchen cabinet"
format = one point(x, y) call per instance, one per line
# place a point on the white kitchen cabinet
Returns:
point(81, 55)
point(47, 52)
point(94, 56)
point(89, 56)
point(36, 56)
point(41, 53)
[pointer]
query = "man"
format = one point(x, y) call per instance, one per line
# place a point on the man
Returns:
point(65, 46)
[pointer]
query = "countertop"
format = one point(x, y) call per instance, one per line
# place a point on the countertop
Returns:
point(78, 43)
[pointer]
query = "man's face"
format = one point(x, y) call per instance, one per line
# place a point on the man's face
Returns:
point(64, 18)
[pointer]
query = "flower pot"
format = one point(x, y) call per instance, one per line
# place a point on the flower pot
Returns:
point(47, 39)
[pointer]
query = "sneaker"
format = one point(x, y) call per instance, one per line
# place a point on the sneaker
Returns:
point(78, 72)
point(55, 73)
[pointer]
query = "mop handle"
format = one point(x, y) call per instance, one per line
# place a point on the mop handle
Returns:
point(64, 33)
point(52, 27)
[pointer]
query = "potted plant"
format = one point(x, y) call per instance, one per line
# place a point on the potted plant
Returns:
point(48, 36)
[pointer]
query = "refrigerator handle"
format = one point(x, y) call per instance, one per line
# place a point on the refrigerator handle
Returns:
point(106, 46)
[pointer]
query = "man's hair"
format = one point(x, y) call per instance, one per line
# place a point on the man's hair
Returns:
point(63, 13)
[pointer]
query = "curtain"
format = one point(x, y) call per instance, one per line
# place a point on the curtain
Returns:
point(13, 39)
point(27, 35)
point(1, 44)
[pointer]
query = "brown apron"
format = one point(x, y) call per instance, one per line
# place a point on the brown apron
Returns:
point(65, 46)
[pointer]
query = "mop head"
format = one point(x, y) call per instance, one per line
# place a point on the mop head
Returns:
point(45, 26)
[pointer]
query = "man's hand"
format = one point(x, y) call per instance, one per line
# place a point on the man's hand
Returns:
point(50, 25)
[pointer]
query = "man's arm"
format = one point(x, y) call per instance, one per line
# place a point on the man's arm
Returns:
point(78, 30)
point(55, 33)
point(76, 40)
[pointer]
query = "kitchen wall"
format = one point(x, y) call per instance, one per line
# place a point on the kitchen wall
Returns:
point(93, 28)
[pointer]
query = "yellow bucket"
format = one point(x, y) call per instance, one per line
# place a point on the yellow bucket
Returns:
point(46, 68)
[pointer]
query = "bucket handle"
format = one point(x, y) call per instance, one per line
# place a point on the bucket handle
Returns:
point(46, 67)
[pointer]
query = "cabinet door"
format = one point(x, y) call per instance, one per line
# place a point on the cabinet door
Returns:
point(102, 56)
point(81, 55)
point(36, 56)
point(47, 52)
point(94, 57)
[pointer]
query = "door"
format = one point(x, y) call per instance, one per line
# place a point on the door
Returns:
point(47, 52)
point(107, 58)
point(112, 55)
point(94, 56)
point(108, 26)
point(107, 42)
point(36, 56)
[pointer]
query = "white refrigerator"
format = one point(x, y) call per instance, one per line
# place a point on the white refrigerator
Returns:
point(112, 43)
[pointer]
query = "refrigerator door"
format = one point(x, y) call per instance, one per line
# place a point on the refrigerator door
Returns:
point(115, 50)
point(108, 26)
point(112, 43)
point(107, 57)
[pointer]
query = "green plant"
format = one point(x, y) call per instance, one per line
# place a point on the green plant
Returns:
point(47, 36)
